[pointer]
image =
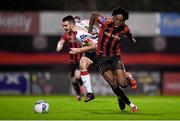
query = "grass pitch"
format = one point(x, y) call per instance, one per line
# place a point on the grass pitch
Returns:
point(102, 108)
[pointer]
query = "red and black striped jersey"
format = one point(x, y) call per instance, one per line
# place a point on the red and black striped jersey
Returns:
point(73, 43)
point(109, 37)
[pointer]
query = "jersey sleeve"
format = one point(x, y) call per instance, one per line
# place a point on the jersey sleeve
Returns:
point(84, 38)
point(103, 20)
point(128, 35)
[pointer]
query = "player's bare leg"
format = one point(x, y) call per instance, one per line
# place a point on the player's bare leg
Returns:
point(125, 78)
point(85, 76)
point(77, 82)
point(122, 98)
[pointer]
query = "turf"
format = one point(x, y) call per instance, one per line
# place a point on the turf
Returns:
point(102, 108)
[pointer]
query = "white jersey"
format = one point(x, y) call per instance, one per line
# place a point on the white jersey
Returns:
point(82, 33)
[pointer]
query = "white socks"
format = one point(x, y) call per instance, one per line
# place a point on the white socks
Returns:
point(131, 105)
point(86, 80)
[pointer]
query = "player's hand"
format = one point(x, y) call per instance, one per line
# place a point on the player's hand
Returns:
point(74, 50)
point(59, 46)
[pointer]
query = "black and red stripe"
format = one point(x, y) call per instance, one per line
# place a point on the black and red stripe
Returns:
point(109, 41)
point(103, 39)
point(114, 45)
point(73, 43)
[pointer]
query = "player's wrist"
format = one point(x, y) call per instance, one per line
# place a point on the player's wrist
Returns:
point(80, 50)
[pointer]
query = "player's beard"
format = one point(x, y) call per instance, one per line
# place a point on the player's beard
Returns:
point(67, 31)
point(117, 25)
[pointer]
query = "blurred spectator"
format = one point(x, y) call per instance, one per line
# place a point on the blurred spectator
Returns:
point(159, 44)
point(41, 83)
point(40, 42)
point(149, 83)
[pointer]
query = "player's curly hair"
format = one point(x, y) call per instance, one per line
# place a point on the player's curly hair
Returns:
point(121, 11)
point(69, 18)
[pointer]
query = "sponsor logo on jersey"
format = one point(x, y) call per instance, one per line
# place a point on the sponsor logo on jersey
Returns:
point(112, 35)
point(95, 36)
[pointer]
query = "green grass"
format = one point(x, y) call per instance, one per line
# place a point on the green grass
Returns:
point(102, 108)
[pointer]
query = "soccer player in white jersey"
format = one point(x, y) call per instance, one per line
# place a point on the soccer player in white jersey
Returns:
point(78, 30)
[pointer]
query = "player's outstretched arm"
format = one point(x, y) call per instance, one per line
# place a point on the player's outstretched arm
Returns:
point(94, 16)
point(90, 46)
point(128, 34)
point(131, 38)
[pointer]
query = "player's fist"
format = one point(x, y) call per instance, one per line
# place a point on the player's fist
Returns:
point(74, 50)
point(59, 46)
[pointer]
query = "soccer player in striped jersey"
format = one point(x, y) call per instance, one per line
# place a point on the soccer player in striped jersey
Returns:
point(112, 32)
point(77, 31)
point(74, 62)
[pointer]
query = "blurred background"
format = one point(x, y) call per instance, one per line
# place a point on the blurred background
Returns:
point(30, 30)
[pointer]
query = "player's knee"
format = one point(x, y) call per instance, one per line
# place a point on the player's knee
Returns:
point(77, 74)
point(122, 83)
point(83, 66)
point(113, 85)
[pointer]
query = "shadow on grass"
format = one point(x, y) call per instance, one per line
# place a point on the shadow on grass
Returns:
point(100, 111)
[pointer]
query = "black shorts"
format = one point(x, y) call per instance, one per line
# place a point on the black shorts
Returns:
point(73, 67)
point(106, 63)
point(91, 56)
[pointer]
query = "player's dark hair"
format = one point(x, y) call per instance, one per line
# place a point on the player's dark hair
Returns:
point(69, 18)
point(121, 11)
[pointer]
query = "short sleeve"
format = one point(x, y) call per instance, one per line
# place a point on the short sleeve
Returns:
point(103, 20)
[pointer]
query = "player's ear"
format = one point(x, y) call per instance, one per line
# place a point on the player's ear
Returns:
point(72, 24)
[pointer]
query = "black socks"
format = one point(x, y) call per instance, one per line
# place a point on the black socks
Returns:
point(76, 87)
point(120, 93)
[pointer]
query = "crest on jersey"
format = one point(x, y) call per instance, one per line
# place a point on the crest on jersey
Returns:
point(102, 20)
point(83, 37)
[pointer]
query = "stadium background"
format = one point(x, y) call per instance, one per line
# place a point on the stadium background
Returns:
point(29, 32)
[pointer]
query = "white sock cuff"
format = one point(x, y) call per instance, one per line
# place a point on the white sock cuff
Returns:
point(131, 105)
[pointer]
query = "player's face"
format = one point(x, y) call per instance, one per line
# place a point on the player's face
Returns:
point(118, 20)
point(67, 26)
